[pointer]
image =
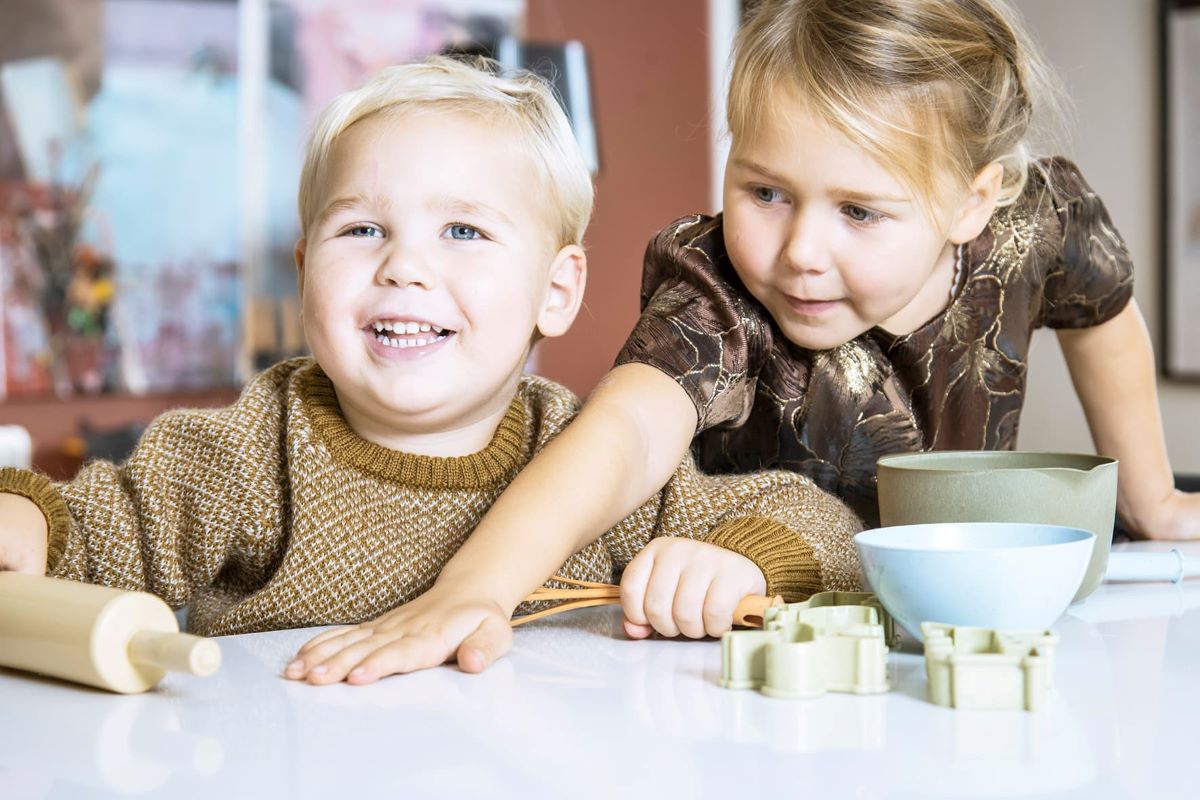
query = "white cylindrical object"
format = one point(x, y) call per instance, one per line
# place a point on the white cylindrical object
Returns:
point(1162, 566)
point(87, 634)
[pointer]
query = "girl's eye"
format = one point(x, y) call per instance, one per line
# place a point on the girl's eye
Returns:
point(863, 216)
point(463, 232)
point(765, 194)
point(369, 231)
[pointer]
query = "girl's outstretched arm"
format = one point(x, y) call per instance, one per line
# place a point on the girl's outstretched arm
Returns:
point(1112, 367)
point(625, 444)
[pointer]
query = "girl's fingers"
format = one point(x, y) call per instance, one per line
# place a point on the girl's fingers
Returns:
point(323, 647)
point(399, 656)
point(492, 639)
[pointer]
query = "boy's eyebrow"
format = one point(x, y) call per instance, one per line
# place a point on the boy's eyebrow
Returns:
point(853, 195)
point(457, 205)
point(350, 201)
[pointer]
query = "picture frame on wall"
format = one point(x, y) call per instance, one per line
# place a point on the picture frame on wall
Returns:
point(1180, 40)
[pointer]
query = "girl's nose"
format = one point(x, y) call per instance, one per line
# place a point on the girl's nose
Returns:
point(807, 245)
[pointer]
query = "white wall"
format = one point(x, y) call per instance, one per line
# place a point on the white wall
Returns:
point(1107, 54)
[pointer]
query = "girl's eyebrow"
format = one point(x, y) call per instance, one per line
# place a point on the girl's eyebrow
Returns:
point(851, 195)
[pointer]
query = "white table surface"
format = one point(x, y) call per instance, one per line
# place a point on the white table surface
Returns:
point(576, 710)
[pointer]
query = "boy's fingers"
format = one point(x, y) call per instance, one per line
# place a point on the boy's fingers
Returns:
point(492, 639)
point(687, 610)
point(719, 604)
point(633, 587)
point(659, 604)
point(635, 631)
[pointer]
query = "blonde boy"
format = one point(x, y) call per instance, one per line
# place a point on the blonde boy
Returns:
point(442, 209)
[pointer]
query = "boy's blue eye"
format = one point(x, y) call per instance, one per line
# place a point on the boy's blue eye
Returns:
point(765, 194)
point(861, 215)
point(364, 230)
point(463, 232)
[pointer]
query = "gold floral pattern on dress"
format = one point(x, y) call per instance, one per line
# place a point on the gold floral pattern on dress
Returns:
point(1052, 259)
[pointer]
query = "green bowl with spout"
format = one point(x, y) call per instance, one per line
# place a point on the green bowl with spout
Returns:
point(1071, 489)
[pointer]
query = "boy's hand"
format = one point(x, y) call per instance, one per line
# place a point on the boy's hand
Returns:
point(682, 586)
point(23, 535)
point(439, 626)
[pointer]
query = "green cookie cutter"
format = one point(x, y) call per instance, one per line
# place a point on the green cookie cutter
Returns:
point(832, 642)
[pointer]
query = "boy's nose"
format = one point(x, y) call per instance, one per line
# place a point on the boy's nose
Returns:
point(401, 267)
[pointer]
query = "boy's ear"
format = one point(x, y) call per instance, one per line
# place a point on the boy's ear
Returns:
point(564, 295)
point(298, 255)
point(980, 203)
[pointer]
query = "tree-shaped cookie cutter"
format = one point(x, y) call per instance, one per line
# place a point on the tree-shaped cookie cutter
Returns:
point(982, 668)
point(834, 641)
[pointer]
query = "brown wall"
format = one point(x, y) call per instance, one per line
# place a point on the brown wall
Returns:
point(649, 71)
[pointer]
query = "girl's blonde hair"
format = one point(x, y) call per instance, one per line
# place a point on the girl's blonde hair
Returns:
point(932, 89)
point(521, 100)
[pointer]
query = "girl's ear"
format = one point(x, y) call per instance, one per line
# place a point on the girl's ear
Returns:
point(564, 295)
point(980, 203)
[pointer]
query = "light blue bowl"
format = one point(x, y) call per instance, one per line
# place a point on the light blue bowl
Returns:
point(987, 574)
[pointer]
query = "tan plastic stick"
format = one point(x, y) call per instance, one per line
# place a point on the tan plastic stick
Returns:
point(120, 641)
point(749, 611)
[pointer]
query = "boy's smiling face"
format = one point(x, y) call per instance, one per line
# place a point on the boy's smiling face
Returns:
point(429, 265)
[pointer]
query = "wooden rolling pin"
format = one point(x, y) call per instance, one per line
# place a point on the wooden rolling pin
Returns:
point(121, 641)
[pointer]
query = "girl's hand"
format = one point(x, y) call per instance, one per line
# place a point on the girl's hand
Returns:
point(1176, 517)
point(682, 586)
point(439, 626)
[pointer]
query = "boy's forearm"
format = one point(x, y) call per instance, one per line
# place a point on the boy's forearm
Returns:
point(1112, 368)
point(625, 444)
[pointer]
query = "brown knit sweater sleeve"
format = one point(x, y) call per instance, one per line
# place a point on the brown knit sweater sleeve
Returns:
point(199, 495)
point(799, 536)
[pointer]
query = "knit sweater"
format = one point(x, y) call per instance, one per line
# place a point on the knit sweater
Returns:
point(272, 513)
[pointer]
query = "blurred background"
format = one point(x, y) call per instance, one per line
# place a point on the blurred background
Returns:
point(150, 150)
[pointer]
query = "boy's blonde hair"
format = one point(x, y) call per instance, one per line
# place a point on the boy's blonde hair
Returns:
point(521, 100)
point(933, 89)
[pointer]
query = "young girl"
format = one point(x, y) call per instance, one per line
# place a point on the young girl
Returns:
point(886, 250)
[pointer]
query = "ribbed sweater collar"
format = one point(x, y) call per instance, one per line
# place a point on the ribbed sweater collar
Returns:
point(485, 468)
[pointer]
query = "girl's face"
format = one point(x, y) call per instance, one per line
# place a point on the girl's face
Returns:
point(829, 240)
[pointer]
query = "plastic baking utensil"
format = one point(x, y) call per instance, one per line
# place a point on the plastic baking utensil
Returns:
point(810, 648)
point(981, 668)
point(1004, 575)
point(1075, 490)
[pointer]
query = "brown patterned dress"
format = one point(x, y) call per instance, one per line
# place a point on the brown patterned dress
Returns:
point(1052, 259)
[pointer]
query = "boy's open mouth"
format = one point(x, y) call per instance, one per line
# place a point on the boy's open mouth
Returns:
point(407, 333)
